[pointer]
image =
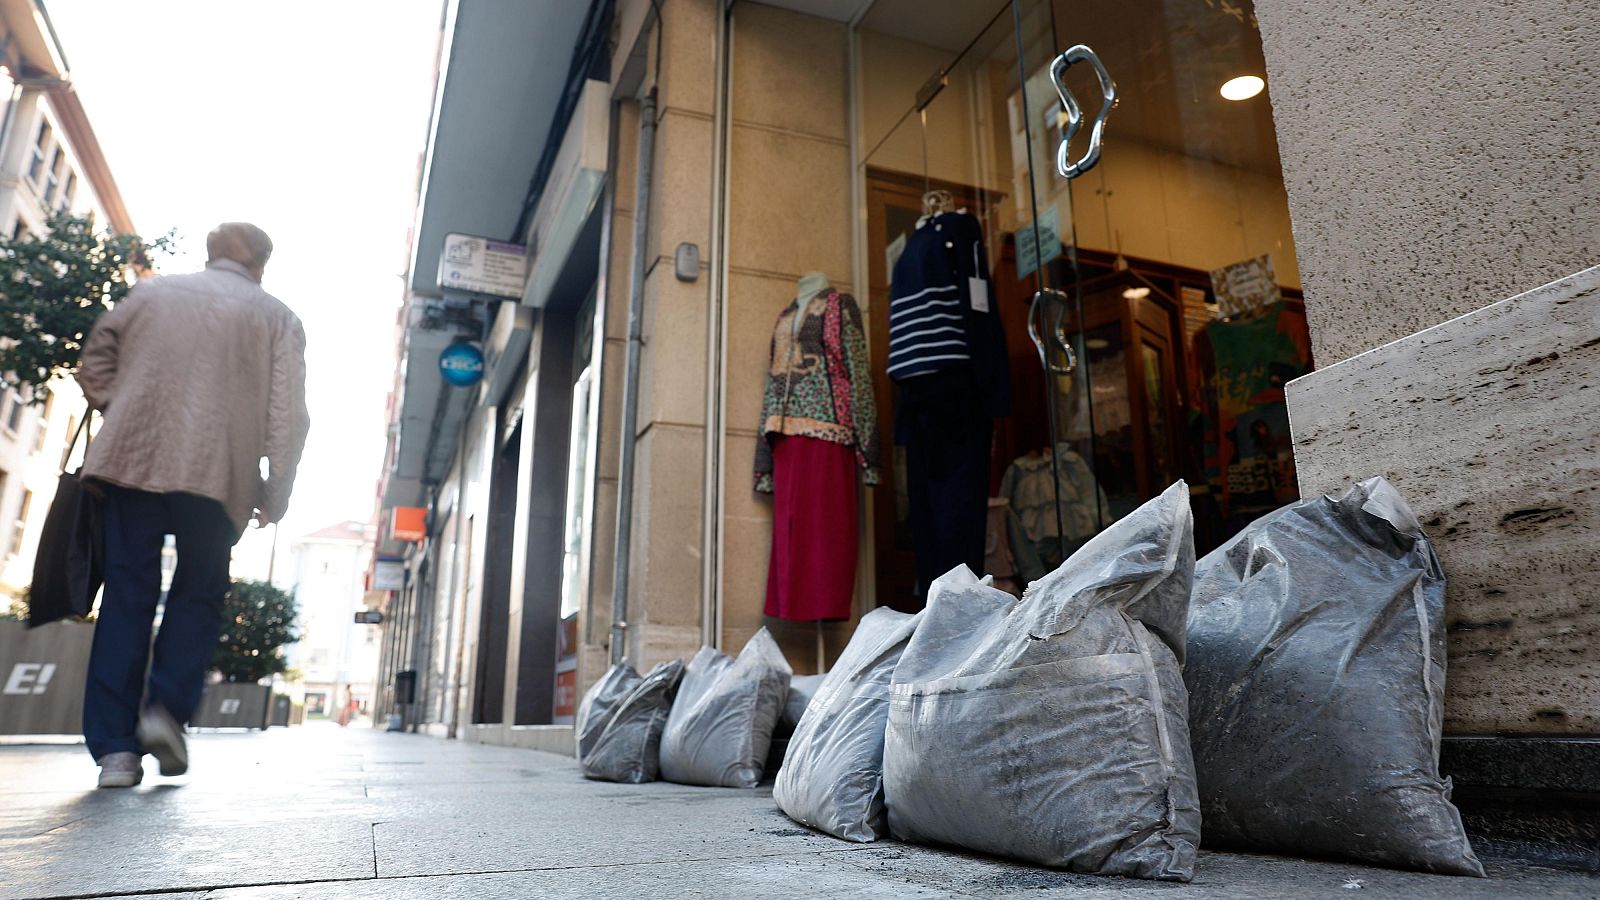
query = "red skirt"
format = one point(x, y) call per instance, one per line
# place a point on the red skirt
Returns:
point(812, 572)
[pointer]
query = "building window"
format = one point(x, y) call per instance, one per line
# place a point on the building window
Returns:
point(4, 479)
point(58, 167)
point(13, 417)
point(43, 430)
point(22, 523)
point(70, 193)
point(18, 230)
point(72, 433)
point(41, 143)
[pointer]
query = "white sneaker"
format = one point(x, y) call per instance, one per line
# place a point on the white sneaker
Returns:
point(121, 770)
point(162, 737)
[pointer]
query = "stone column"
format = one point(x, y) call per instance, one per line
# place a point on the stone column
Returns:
point(1443, 160)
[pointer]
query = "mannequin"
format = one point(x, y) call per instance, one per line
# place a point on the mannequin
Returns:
point(818, 435)
point(809, 286)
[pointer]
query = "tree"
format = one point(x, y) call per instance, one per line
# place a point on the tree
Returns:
point(257, 620)
point(52, 289)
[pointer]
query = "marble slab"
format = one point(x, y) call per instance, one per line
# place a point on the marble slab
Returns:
point(1489, 424)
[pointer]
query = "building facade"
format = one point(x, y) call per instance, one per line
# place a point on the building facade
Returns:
point(675, 169)
point(50, 161)
point(335, 656)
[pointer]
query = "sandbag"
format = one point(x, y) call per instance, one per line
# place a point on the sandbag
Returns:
point(620, 721)
point(832, 779)
point(1316, 686)
point(1052, 729)
point(801, 689)
point(721, 724)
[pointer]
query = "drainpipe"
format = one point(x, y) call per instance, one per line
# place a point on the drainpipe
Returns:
point(630, 380)
point(716, 450)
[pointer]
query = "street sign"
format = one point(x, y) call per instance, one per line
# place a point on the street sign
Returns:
point(482, 266)
point(369, 617)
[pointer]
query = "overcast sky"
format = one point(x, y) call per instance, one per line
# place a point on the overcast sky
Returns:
point(306, 117)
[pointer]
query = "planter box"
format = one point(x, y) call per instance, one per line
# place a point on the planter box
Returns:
point(233, 705)
point(42, 672)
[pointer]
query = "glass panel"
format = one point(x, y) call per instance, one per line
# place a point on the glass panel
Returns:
point(946, 104)
point(1189, 182)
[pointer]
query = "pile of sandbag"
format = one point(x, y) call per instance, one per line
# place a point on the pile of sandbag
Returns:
point(1316, 680)
point(1289, 686)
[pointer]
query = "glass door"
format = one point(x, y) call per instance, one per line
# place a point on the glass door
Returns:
point(959, 113)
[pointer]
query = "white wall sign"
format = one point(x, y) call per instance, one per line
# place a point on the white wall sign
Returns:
point(482, 266)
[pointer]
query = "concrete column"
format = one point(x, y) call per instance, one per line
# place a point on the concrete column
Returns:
point(1441, 157)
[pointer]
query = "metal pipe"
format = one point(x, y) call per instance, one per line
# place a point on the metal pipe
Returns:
point(630, 378)
point(716, 450)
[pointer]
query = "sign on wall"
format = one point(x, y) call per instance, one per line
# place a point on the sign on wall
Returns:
point(461, 364)
point(482, 266)
point(388, 574)
point(408, 523)
point(1245, 287)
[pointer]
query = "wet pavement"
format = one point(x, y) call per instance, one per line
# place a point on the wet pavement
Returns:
point(322, 812)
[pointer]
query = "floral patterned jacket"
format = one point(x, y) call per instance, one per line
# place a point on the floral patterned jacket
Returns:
point(819, 384)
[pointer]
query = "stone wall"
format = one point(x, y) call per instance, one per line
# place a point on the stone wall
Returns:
point(1487, 425)
point(789, 213)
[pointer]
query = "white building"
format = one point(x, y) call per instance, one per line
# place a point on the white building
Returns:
point(49, 160)
point(334, 654)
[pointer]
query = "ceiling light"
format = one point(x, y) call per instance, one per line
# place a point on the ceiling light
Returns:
point(1136, 293)
point(1242, 88)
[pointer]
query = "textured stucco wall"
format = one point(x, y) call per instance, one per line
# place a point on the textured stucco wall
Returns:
point(1440, 155)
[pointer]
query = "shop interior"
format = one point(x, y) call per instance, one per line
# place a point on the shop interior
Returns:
point(1142, 372)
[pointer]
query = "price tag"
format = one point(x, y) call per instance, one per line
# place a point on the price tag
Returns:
point(978, 289)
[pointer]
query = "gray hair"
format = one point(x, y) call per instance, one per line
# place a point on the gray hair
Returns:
point(241, 242)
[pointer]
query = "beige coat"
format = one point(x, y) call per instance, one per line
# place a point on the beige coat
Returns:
point(199, 376)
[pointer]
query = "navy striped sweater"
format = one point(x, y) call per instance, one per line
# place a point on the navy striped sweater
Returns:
point(933, 324)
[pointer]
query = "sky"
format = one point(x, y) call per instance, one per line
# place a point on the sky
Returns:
point(308, 118)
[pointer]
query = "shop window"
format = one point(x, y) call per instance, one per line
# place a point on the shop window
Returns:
point(20, 528)
point(1143, 377)
point(41, 146)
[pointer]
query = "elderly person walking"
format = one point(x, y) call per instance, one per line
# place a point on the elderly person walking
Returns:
point(199, 377)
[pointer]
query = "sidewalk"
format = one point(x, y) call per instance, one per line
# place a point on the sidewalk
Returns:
point(322, 812)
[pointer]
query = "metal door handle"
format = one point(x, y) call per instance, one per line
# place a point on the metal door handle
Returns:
point(1108, 91)
point(1059, 333)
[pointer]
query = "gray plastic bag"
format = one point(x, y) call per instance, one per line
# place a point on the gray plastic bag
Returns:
point(721, 724)
point(832, 779)
point(620, 721)
point(1052, 729)
point(801, 689)
point(1316, 680)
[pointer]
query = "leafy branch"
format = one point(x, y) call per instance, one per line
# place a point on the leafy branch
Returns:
point(53, 286)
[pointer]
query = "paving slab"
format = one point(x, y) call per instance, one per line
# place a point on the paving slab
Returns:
point(321, 812)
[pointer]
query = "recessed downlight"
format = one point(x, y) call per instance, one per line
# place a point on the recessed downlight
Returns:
point(1243, 88)
point(1136, 293)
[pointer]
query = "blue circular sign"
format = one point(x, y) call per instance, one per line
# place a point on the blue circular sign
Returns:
point(461, 365)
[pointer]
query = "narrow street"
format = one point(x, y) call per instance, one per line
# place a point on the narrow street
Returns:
point(327, 813)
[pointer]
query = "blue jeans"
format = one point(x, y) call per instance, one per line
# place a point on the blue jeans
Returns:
point(136, 525)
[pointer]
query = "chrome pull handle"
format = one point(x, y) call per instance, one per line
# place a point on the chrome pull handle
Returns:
point(1108, 91)
point(1058, 333)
